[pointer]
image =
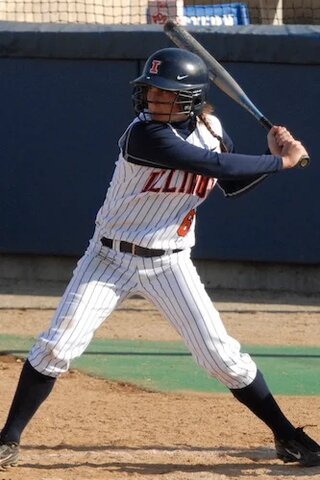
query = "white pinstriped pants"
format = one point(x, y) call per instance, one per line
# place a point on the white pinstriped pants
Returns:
point(104, 278)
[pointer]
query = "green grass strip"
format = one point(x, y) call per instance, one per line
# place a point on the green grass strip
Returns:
point(168, 366)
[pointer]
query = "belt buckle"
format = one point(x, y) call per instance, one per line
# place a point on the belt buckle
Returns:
point(116, 245)
point(133, 249)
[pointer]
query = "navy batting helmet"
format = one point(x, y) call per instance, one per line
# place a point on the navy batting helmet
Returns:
point(175, 70)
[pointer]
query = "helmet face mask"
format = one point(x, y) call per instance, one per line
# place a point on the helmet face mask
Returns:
point(187, 102)
point(175, 70)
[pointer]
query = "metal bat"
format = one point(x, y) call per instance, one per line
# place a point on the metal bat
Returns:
point(219, 75)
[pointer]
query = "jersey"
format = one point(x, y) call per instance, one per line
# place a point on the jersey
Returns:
point(155, 207)
point(152, 200)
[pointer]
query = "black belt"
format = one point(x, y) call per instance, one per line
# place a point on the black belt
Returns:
point(127, 247)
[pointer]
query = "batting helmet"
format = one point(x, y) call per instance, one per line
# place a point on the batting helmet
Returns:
point(175, 70)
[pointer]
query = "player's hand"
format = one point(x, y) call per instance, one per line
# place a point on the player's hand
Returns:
point(282, 143)
point(277, 136)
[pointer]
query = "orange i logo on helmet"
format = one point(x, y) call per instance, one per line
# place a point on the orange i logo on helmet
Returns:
point(155, 66)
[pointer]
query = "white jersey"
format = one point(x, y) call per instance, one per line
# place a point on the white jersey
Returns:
point(155, 207)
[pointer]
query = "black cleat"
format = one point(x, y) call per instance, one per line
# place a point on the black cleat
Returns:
point(9, 453)
point(301, 449)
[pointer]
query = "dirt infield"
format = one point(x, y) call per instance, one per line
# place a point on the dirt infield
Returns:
point(91, 429)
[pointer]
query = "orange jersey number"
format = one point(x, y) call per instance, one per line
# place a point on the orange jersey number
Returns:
point(186, 224)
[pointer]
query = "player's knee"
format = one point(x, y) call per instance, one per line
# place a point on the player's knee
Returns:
point(48, 358)
point(231, 373)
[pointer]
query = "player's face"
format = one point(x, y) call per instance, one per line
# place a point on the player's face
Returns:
point(162, 105)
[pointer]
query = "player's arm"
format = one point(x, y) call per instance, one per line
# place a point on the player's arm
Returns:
point(156, 145)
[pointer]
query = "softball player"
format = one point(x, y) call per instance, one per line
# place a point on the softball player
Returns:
point(171, 157)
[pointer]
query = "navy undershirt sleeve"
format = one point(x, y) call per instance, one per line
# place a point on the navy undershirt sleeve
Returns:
point(155, 144)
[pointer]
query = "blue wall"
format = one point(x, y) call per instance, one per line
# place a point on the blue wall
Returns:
point(65, 100)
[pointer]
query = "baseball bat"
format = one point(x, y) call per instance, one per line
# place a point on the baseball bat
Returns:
point(219, 75)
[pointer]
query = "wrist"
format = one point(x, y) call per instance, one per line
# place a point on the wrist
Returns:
point(286, 162)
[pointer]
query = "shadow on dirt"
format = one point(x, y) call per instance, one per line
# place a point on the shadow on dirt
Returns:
point(260, 460)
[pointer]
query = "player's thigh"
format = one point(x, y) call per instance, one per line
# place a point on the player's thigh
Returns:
point(173, 284)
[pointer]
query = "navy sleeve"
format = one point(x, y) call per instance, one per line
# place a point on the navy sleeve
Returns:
point(155, 144)
point(232, 188)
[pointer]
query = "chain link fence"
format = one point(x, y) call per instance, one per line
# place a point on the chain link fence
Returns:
point(135, 12)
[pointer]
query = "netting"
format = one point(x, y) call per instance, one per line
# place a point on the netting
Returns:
point(187, 12)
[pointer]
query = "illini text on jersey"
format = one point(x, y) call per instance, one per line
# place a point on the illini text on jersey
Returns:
point(175, 181)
